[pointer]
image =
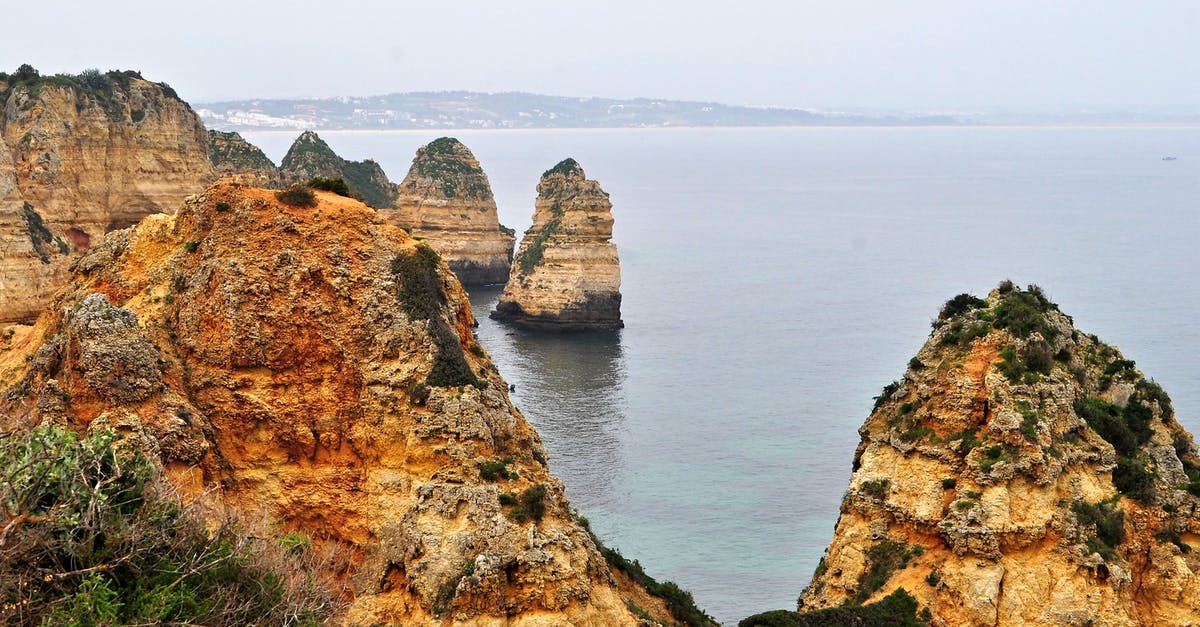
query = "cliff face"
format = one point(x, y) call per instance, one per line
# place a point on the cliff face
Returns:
point(317, 366)
point(566, 275)
point(231, 155)
point(1022, 472)
point(447, 201)
point(81, 156)
point(310, 157)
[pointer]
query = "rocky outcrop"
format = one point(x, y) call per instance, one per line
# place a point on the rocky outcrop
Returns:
point(316, 366)
point(1021, 473)
point(233, 156)
point(566, 275)
point(79, 157)
point(310, 157)
point(446, 200)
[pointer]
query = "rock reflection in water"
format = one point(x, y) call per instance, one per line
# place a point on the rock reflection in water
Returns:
point(570, 387)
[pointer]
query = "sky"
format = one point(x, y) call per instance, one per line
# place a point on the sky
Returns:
point(1034, 56)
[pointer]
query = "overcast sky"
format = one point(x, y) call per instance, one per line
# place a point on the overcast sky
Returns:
point(949, 55)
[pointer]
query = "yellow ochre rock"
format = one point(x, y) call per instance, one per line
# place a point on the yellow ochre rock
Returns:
point(316, 366)
point(1021, 473)
point(566, 274)
point(446, 201)
point(79, 157)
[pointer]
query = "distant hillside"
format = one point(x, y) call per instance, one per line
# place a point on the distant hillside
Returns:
point(463, 110)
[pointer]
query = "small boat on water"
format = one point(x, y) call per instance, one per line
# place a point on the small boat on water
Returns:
point(1168, 158)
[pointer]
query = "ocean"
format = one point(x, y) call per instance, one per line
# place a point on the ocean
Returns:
point(775, 279)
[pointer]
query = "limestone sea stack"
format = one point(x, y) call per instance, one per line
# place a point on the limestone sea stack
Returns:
point(446, 200)
point(315, 367)
point(232, 155)
point(566, 275)
point(1022, 472)
point(310, 157)
point(80, 156)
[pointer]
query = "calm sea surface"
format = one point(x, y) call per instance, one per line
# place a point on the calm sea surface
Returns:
point(775, 279)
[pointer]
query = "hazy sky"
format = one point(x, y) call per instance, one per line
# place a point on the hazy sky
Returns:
point(1012, 55)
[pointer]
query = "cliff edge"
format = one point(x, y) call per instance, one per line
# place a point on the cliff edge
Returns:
point(447, 201)
point(314, 365)
point(1021, 473)
point(566, 275)
point(81, 156)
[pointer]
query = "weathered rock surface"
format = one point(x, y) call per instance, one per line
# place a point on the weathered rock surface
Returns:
point(317, 366)
point(566, 274)
point(446, 200)
point(79, 157)
point(1021, 473)
point(233, 156)
point(310, 157)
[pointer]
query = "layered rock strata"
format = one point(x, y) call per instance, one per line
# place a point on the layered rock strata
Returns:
point(233, 156)
point(317, 366)
point(1021, 473)
point(310, 157)
point(566, 274)
point(446, 200)
point(79, 157)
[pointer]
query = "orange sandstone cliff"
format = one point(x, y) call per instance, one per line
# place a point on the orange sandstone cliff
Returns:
point(566, 274)
point(447, 201)
point(1021, 473)
point(81, 156)
point(316, 366)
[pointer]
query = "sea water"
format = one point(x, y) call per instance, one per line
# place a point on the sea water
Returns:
point(775, 279)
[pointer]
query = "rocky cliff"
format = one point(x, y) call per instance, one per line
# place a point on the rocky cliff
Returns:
point(566, 275)
point(1021, 472)
point(316, 366)
point(310, 157)
point(447, 201)
point(81, 156)
point(232, 155)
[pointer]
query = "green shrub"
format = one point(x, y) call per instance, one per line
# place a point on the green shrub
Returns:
point(92, 539)
point(959, 305)
point(1022, 313)
point(877, 488)
point(1108, 522)
point(496, 469)
point(296, 196)
point(883, 559)
point(509, 499)
point(533, 504)
point(949, 483)
point(887, 392)
point(191, 246)
point(678, 601)
point(898, 609)
point(222, 206)
point(335, 185)
point(421, 298)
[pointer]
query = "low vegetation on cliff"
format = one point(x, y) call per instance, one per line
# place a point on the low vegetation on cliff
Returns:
point(93, 536)
point(1020, 472)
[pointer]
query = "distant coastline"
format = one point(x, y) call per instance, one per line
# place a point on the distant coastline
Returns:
point(459, 111)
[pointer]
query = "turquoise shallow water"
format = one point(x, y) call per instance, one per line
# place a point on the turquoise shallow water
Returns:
point(775, 279)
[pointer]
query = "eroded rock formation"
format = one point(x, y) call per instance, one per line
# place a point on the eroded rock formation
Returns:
point(447, 201)
point(232, 155)
point(566, 274)
point(310, 157)
point(81, 156)
point(1021, 473)
point(316, 365)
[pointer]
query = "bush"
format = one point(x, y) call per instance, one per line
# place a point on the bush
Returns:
point(297, 196)
point(678, 601)
point(335, 185)
point(877, 488)
point(959, 305)
point(494, 470)
point(222, 206)
point(25, 73)
point(949, 483)
point(886, 393)
point(898, 609)
point(93, 538)
point(883, 559)
point(1022, 313)
point(533, 504)
point(1108, 522)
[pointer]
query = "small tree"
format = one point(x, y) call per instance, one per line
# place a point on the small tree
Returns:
point(25, 73)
